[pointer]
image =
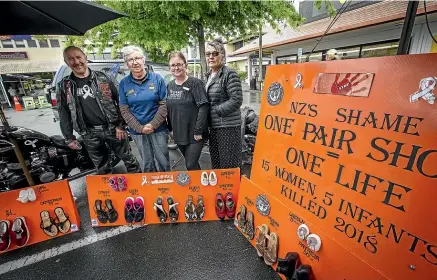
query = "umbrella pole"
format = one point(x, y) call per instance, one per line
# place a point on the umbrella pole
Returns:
point(16, 148)
point(410, 16)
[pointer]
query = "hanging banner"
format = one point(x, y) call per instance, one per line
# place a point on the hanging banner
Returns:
point(351, 147)
point(152, 198)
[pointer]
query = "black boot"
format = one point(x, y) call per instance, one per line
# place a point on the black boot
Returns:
point(287, 265)
point(303, 272)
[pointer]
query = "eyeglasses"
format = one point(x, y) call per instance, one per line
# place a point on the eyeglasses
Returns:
point(214, 54)
point(177, 65)
point(133, 59)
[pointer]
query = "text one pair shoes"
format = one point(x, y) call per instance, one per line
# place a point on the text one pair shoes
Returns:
point(52, 227)
point(173, 211)
point(18, 233)
point(192, 211)
point(27, 195)
point(105, 213)
point(291, 269)
point(210, 179)
point(134, 211)
point(225, 206)
point(118, 184)
point(267, 245)
point(246, 223)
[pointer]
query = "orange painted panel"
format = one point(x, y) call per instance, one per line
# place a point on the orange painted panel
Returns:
point(228, 180)
point(48, 197)
point(357, 166)
point(284, 222)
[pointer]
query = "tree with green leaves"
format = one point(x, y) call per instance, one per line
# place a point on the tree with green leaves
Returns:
point(163, 26)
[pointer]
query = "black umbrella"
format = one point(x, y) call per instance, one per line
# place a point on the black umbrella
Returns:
point(52, 17)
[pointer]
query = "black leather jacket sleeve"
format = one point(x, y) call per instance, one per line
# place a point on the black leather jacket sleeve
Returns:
point(116, 97)
point(235, 93)
point(64, 114)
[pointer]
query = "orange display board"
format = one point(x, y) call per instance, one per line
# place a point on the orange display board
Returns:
point(151, 185)
point(350, 147)
point(284, 222)
point(48, 197)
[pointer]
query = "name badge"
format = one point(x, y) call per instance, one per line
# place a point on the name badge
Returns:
point(185, 88)
point(151, 86)
point(130, 92)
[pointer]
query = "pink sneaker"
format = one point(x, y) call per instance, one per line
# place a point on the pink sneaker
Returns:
point(122, 183)
point(113, 183)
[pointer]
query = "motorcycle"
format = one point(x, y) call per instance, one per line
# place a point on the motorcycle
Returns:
point(47, 158)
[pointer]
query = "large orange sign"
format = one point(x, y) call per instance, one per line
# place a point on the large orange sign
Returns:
point(149, 186)
point(351, 148)
point(51, 213)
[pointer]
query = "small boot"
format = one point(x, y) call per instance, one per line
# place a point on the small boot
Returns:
point(288, 265)
point(303, 272)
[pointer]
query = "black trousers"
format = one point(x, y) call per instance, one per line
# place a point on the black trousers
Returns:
point(191, 154)
point(96, 141)
point(225, 147)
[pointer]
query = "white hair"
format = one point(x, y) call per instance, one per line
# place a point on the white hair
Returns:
point(128, 50)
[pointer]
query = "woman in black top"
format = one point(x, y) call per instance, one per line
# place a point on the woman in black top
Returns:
point(187, 106)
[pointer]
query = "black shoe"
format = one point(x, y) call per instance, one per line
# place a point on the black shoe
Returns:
point(112, 214)
point(101, 215)
point(159, 208)
point(288, 265)
point(303, 272)
point(129, 210)
point(173, 212)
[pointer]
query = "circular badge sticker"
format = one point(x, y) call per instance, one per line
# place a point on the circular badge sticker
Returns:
point(263, 205)
point(275, 94)
point(183, 179)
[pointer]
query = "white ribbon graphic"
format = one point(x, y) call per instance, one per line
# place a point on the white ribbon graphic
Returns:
point(299, 83)
point(426, 88)
point(31, 143)
point(86, 91)
point(144, 181)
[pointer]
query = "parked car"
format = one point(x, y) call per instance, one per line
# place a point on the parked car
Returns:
point(105, 67)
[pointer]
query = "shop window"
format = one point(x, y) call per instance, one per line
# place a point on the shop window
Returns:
point(286, 60)
point(350, 53)
point(313, 57)
point(385, 49)
point(31, 43)
point(43, 43)
point(19, 44)
point(7, 44)
point(55, 43)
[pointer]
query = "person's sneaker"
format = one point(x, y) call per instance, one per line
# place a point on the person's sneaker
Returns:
point(230, 205)
point(139, 211)
point(220, 208)
point(200, 208)
point(20, 232)
point(122, 183)
point(159, 208)
point(212, 178)
point(129, 210)
point(5, 238)
point(190, 212)
point(204, 179)
point(23, 196)
point(173, 212)
point(31, 194)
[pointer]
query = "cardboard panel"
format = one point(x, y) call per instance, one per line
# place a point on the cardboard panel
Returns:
point(48, 197)
point(357, 167)
point(284, 222)
point(144, 185)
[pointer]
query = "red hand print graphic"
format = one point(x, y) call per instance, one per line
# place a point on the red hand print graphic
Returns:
point(346, 86)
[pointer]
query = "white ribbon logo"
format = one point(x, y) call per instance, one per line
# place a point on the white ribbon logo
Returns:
point(426, 88)
point(31, 143)
point(86, 91)
point(299, 83)
point(144, 181)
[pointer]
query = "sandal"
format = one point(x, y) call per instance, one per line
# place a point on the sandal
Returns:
point(173, 212)
point(261, 240)
point(113, 183)
point(160, 209)
point(241, 217)
point(101, 215)
point(200, 208)
point(271, 251)
point(249, 228)
point(48, 224)
point(190, 211)
point(112, 214)
point(63, 223)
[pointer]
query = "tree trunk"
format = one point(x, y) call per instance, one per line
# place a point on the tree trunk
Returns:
point(201, 40)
